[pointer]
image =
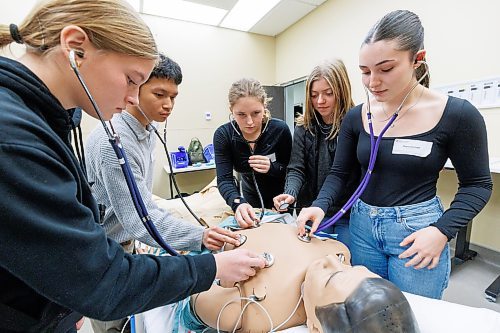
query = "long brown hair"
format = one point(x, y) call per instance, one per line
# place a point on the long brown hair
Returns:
point(335, 73)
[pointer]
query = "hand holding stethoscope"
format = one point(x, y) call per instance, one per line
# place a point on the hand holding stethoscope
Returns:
point(245, 216)
point(283, 201)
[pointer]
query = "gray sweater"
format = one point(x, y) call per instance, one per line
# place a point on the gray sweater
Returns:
point(121, 221)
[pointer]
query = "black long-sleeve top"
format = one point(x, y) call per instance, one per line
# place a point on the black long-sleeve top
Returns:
point(312, 157)
point(232, 153)
point(53, 253)
point(400, 179)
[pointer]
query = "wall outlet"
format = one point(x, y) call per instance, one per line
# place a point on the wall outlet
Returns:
point(208, 115)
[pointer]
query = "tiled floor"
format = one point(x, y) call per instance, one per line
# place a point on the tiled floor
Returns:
point(469, 280)
point(467, 283)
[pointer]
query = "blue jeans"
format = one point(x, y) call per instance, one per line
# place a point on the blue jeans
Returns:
point(375, 236)
point(341, 228)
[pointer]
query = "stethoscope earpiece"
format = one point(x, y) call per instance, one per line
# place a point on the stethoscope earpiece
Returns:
point(80, 54)
point(72, 57)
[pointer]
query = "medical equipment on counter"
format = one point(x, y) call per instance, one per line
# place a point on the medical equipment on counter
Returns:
point(208, 153)
point(180, 158)
point(114, 139)
point(374, 145)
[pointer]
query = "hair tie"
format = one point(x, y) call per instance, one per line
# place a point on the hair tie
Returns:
point(14, 33)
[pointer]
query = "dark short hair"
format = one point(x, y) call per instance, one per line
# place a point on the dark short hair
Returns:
point(376, 306)
point(168, 69)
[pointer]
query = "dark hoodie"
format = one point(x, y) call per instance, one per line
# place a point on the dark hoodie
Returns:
point(53, 255)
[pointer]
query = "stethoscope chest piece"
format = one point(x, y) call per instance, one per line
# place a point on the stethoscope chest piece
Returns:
point(269, 259)
point(284, 205)
point(305, 238)
point(242, 239)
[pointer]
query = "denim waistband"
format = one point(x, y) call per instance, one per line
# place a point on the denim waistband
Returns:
point(429, 206)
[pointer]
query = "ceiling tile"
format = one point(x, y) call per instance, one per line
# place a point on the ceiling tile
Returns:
point(281, 17)
point(222, 4)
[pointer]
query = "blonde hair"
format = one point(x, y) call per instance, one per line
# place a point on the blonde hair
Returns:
point(248, 87)
point(110, 25)
point(335, 73)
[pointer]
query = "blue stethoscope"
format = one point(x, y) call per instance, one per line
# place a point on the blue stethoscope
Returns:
point(114, 139)
point(374, 146)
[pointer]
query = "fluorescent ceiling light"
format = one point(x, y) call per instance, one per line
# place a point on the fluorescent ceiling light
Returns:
point(184, 10)
point(246, 13)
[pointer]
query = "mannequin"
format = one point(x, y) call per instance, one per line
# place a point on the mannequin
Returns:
point(276, 288)
point(311, 264)
point(342, 298)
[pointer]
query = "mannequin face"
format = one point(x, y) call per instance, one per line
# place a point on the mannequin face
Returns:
point(329, 281)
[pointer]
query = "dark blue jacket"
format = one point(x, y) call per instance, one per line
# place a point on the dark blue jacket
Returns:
point(54, 257)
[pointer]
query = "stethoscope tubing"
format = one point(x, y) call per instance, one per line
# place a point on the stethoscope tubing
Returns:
point(164, 143)
point(374, 146)
point(254, 178)
point(139, 205)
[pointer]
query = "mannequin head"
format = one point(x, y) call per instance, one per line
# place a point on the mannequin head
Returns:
point(342, 298)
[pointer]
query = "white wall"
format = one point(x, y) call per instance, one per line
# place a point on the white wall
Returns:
point(462, 42)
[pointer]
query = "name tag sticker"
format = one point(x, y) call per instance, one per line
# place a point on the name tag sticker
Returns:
point(272, 157)
point(412, 147)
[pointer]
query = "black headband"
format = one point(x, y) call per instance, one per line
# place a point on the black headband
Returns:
point(14, 33)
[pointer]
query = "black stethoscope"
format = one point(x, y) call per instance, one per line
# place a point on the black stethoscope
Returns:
point(163, 141)
point(114, 139)
point(232, 121)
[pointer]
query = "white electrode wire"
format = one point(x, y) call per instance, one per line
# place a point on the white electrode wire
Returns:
point(250, 301)
point(239, 299)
